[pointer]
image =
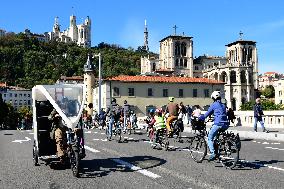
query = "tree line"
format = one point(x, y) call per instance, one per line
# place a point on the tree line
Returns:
point(27, 62)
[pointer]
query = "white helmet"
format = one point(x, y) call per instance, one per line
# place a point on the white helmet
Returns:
point(215, 95)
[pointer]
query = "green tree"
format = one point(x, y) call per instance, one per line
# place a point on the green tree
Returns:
point(268, 92)
point(266, 105)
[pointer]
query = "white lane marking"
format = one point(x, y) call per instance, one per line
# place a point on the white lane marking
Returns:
point(103, 140)
point(135, 168)
point(21, 141)
point(130, 138)
point(254, 141)
point(275, 143)
point(96, 132)
point(88, 132)
point(265, 143)
point(31, 133)
point(125, 137)
point(102, 133)
point(268, 147)
point(91, 149)
point(258, 142)
point(96, 139)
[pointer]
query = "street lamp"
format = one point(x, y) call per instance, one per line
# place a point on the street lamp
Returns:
point(100, 78)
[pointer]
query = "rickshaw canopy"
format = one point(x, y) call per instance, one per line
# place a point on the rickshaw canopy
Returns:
point(67, 99)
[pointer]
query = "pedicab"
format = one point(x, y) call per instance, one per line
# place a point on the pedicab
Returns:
point(68, 101)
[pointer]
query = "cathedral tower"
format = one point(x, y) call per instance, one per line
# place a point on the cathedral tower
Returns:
point(242, 73)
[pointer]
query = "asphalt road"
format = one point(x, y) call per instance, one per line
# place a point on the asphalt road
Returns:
point(134, 164)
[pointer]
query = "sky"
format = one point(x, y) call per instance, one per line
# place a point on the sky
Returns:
point(211, 23)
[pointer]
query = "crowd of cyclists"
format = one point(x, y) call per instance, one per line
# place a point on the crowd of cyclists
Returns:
point(168, 120)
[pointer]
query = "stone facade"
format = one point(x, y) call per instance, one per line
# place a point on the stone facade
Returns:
point(144, 92)
point(238, 69)
point(89, 82)
point(279, 91)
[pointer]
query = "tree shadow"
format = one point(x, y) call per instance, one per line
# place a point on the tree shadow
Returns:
point(103, 167)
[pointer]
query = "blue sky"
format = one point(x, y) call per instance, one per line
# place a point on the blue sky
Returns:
point(211, 23)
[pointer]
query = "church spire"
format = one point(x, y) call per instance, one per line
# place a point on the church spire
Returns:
point(146, 47)
point(56, 26)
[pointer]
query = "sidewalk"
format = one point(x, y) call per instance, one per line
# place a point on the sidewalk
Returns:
point(275, 134)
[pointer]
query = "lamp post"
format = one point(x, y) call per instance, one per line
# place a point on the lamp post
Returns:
point(100, 78)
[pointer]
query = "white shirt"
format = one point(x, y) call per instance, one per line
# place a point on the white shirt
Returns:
point(196, 113)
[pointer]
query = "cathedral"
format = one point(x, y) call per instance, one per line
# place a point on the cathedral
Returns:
point(238, 69)
point(80, 34)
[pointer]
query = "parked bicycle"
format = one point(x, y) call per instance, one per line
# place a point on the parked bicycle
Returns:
point(227, 145)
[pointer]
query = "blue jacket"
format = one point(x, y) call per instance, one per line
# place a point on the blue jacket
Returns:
point(258, 112)
point(220, 115)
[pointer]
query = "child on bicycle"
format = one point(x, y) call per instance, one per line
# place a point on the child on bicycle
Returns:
point(220, 120)
point(159, 124)
point(150, 120)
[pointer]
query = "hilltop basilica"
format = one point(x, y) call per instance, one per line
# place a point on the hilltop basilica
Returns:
point(238, 69)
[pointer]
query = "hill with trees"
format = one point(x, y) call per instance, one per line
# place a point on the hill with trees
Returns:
point(27, 62)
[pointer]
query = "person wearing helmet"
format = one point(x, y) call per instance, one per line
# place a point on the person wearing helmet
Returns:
point(220, 122)
point(258, 113)
point(126, 108)
point(159, 125)
point(172, 109)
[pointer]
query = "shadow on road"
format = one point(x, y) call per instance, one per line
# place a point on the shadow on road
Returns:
point(104, 167)
point(257, 164)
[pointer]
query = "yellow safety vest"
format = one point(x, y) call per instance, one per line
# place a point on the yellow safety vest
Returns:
point(160, 122)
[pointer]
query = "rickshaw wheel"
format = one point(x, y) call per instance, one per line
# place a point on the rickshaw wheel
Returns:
point(35, 156)
point(74, 160)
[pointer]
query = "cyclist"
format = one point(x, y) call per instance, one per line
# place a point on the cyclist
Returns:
point(159, 124)
point(173, 110)
point(220, 120)
point(150, 120)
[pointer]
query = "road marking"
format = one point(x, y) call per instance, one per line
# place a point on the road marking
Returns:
point(96, 139)
point(91, 149)
point(21, 141)
point(275, 143)
point(268, 147)
point(96, 132)
point(265, 143)
point(102, 133)
point(31, 133)
point(135, 168)
point(88, 132)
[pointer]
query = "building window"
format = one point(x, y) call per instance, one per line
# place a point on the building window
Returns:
point(165, 93)
point(195, 67)
point(131, 92)
point(177, 64)
point(116, 91)
point(25, 95)
point(4, 95)
point(180, 93)
point(16, 95)
point(185, 63)
point(206, 93)
point(150, 92)
point(29, 95)
point(20, 95)
point(194, 92)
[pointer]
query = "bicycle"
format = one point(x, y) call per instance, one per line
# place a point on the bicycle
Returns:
point(161, 138)
point(227, 145)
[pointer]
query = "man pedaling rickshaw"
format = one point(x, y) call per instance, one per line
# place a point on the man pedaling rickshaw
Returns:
point(172, 109)
point(58, 131)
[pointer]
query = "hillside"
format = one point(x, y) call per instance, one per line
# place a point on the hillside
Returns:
point(26, 61)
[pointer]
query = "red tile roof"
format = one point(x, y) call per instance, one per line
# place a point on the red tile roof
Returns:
point(270, 73)
point(162, 79)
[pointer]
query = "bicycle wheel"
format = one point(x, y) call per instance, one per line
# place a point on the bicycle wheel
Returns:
point(74, 161)
point(165, 142)
point(229, 154)
point(198, 148)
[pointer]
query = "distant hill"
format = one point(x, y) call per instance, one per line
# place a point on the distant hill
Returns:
point(27, 62)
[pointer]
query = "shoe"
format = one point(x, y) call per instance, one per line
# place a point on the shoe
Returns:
point(212, 157)
point(265, 130)
point(255, 130)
